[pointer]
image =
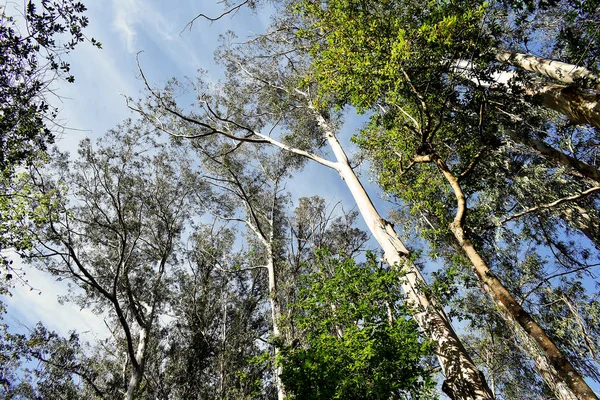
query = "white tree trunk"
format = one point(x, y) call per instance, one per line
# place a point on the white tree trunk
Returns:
point(275, 317)
point(575, 103)
point(568, 74)
point(463, 379)
point(138, 371)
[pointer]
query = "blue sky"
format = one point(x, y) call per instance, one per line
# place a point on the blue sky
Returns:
point(95, 103)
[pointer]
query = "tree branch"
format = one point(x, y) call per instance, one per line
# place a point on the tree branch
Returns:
point(550, 205)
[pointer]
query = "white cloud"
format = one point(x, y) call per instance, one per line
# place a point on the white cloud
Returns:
point(125, 19)
point(26, 307)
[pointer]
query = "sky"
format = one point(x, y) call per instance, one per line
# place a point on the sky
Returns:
point(95, 103)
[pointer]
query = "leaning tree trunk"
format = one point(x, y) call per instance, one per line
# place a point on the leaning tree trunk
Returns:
point(559, 71)
point(556, 156)
point(570, 98)
point(577, 105)
point(558, 373)
point(463, 379)
point(576, 94)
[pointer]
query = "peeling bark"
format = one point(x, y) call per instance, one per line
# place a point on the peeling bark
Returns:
point(579, 104)
point(576, 104)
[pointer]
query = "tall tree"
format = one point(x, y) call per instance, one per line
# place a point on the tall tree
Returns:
point(257, 190)
point(216, 341)
point(270, 97)
point(364, 56)
point(114, 228)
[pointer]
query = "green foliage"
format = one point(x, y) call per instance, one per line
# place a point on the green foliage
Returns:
point(358, 341)
point(366, 48)
point(27, 61)
point(23, 208)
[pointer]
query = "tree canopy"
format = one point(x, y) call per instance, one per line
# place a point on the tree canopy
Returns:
point(480, 124)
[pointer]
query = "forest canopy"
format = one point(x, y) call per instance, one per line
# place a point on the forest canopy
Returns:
point(473, 277)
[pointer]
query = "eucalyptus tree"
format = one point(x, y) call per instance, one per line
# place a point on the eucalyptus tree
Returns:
point(365, 55)
point(114, 228)
point(252, 184)
point(266, 93)
point(216, 340)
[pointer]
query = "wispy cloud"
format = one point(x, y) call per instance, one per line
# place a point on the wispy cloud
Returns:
point(126, 18)
point(27, 307)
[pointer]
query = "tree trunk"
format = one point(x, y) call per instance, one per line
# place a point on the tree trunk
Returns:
point(577, 104)
point(589, 226)
point(463, 379)
point(562, 378)
point(580, 107)
point(138, 364)
point(556, 156)
point(568, 74)
point(275, 317)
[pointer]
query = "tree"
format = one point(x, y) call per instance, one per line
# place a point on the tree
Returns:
point(357, 339)
point(364, 56)
point(258, 191)
point(273, 97)
point(114, 228)
point(220, 324)
point(31, 59)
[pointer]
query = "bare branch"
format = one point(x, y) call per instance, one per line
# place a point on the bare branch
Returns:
point(213, 19)
point(550, 205)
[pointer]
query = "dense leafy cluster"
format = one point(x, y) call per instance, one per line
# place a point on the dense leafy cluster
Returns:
point(357, 339)
point(30, 59)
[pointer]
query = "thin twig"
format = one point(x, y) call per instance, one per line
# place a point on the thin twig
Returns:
point(550, 205)
point(213, 19)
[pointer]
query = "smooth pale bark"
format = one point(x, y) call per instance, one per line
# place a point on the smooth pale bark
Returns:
point(463, 379)
point(275, 318)
point(560, 375)
point(137, 367)
point(580, 106)
point(566, 73)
